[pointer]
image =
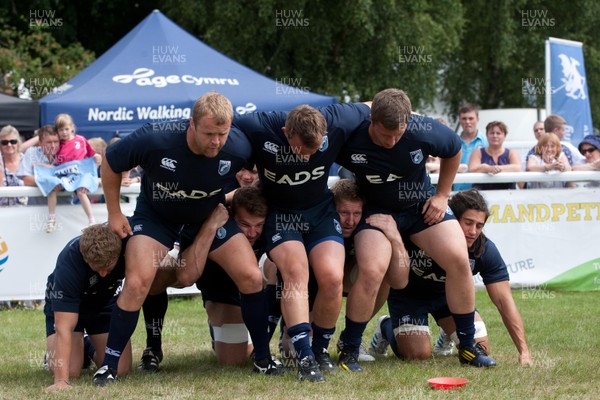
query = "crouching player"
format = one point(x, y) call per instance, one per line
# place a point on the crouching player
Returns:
point(81, 294)
point(220, 294)
point(407, 329)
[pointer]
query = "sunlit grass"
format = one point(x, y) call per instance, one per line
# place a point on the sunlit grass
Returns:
point(562, 332)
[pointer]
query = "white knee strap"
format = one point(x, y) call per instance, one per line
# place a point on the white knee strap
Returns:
point(480, 331)
point(231, 333)
point(261, 266)
point(409, 328)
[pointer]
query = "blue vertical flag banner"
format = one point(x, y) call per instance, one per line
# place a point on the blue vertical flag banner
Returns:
point(566, 88)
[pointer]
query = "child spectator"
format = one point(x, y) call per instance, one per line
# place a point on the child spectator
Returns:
point(548, 157)
point(72, 147)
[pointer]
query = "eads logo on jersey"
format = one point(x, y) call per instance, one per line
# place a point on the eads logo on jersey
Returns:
point(3, 253)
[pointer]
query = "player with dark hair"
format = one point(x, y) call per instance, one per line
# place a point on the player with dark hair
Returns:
point(407, 330)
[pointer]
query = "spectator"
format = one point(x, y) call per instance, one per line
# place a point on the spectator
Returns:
point(99, 145)
point(590, 148)
point(495, 158)
point(557, 125)
point(548, 157)
point(72, 147)
point(43, 154)
point(470, 138)
point(538, 129)
point(10, 158)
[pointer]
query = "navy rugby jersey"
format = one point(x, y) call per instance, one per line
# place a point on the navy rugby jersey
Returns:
point(427, 279)
point(297, 182)
point(180, 186)
point(74, 287)
point(396, 178)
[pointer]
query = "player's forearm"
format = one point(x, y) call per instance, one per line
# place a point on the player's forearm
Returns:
point(111, 184)
point(511, 168)
point(448, 168)
point(514, 325)
point(193, 259)
point(61, 356)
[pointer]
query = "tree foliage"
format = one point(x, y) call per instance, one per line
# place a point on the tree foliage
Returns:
point(454, 50)
point(332, 46)
point(35, 57)
point(502, 48)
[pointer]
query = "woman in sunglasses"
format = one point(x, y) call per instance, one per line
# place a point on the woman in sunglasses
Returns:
point(590, 148)
point(10, 158)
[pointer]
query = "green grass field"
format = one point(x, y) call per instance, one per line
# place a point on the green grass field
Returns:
point(562, 332)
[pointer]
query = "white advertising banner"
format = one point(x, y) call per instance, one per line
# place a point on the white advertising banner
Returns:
point(547, 238)
point(28, 254)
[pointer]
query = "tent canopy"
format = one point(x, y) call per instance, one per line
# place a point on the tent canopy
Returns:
point(156, 73)
point(22, 114)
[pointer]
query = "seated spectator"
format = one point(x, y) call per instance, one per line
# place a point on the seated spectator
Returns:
point(10, 158)
point(590, 148)
point(80, 296)
point(548, 157)
point(538, 130)
point(99, 145)
point(494, 158)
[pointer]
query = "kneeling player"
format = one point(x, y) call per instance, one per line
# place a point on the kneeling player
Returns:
point(80, 295)
point(407, 330)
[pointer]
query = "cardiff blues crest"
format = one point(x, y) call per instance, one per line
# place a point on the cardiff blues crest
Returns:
point(224, 167)
point(416, 156)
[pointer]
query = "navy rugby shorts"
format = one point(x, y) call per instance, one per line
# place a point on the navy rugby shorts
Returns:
point(310, 226)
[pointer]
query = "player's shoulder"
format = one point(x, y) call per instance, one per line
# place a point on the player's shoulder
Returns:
point(259, 121)
point(237, 144)
point(158, 134)
point(419, 123)
point(70, 258)
point(349, 116)
point(490, 256)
